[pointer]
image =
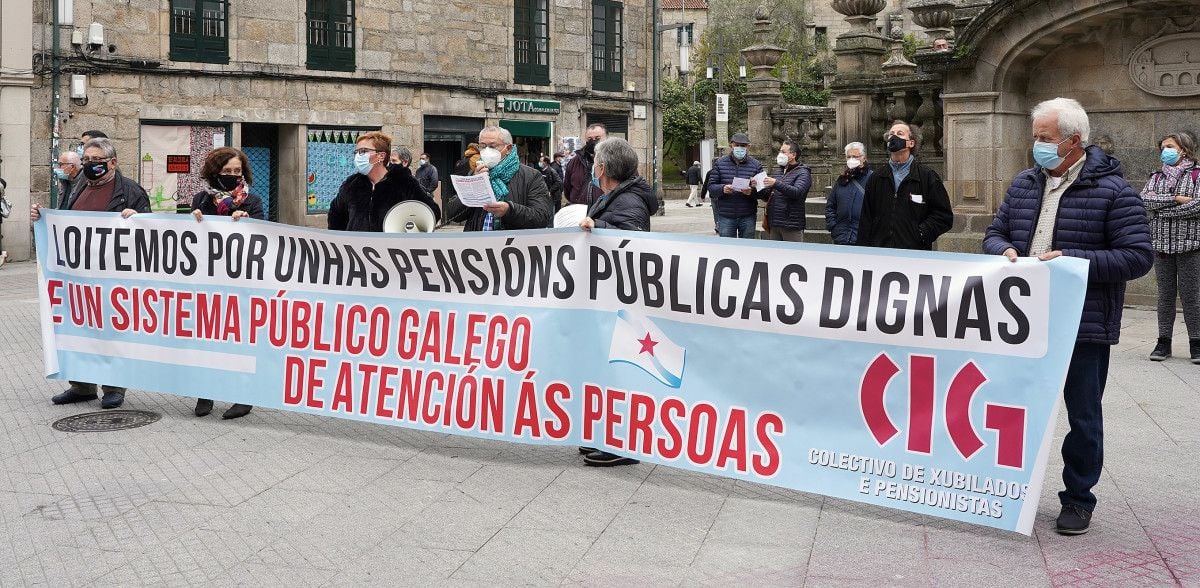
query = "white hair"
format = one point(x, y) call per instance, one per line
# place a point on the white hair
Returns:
point(71, 156)
point(1072, 118)
point(504, 134)
point(855, 145)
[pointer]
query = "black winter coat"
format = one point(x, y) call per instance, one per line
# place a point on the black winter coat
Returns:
point(890, 217)
point(528, 200)
point(785, 200)
point(252, 205)
point(693, 175)
point(361, 207)
point(1100, 219)
point(126, 194)
point(627, 207)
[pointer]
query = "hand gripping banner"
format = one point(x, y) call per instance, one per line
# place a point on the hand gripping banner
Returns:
point(927, 382)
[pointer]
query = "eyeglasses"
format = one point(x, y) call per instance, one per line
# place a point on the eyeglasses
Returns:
point(96, 159)
point(362, 150)
point(496, 146)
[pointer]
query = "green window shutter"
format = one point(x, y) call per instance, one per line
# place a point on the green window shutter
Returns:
point(330, 32)
point(199, 30)
point(606, 45)
point(531, 42)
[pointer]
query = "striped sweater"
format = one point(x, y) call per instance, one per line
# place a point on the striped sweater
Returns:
point(1174, 228)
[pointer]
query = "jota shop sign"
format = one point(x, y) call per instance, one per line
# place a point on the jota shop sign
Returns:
point(531, 106)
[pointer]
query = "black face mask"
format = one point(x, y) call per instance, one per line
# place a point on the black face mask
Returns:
point(95, 170)
point(589, 148)
point(228, 182)
point(896, 143)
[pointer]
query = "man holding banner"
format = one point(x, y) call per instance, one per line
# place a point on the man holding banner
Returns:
point(106, 190)
point(1076, 203)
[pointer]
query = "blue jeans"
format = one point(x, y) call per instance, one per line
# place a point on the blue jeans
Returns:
point(736, 226)
point(1083, 447)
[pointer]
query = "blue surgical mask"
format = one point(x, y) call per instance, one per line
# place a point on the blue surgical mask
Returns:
point(1046, 154)
point(362, 163)
point(595, 180)
point(79, 150)
point(60, 173)
point(739, 153)
point(1169, 156)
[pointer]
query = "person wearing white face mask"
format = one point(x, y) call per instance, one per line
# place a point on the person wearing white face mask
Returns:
point(427, 174)
point(785, 193)
point(522, 198)
point(736, 209)
point(844, 203)
point(1172, 196)
point(1076, 203)
point(366, 196)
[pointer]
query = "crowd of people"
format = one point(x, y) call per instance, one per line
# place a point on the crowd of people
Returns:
point(1073, 202)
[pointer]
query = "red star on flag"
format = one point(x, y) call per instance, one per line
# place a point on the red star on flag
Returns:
point(647, 345)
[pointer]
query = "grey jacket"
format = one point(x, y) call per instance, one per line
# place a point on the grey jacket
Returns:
point(528, 198)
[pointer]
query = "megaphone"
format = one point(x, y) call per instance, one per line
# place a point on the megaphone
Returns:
point(410, 216)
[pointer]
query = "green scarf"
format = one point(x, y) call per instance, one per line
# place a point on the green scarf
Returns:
point(503, 173)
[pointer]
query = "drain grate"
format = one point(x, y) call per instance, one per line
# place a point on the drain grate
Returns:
point(109, 420)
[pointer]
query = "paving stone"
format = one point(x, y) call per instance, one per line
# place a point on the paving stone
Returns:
point(280, 498)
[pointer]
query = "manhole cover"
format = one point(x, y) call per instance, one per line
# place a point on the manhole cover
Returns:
point(109, 420)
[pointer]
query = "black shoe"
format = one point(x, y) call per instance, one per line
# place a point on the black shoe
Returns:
point(112, 399)
point(1194, 347)
point(203, 406)
point(604, 459)
point(687, 205)
point(74, 394)
point(587, 450)
point(237, 410)
point(1163, 350)
point(1073, 520)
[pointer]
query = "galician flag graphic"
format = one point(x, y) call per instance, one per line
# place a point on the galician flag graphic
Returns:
point(638, 341)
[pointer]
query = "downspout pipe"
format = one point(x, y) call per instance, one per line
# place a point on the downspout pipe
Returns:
point(55, 71)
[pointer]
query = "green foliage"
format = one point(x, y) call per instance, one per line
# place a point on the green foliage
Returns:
point(911, 43)
point(804, 94)
point(683, 121)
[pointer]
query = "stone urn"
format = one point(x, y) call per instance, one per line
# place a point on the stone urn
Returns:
point(935, 16)
point(762, 56)
point(860, 13)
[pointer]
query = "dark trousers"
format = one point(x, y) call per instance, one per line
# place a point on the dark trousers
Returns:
point(87, 386)
point(1083, 447)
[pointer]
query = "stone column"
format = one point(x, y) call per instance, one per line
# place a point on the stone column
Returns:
point(859, 54)
point(762, 89)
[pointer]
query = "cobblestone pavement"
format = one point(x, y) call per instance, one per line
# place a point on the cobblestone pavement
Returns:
point(279, 498)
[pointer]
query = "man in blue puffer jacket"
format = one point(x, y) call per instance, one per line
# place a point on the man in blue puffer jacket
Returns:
point(1076, 202)
point(736, 210)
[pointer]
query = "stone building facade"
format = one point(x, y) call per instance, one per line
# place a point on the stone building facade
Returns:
point(694, 12)
point(429, 72)
point(16, 83)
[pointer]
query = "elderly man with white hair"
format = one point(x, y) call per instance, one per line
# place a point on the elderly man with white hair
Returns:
point(522, 198)
point(1076, 203)
point(844, 203)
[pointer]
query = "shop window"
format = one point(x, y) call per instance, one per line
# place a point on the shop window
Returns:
point(170, 161)
point(200, 31)
point(330, 32)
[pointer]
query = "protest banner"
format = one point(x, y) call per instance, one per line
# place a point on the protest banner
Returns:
point(927, 382)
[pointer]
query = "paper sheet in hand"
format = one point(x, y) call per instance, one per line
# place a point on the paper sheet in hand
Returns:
point(758, 180)
point(474, 190)
point(570, 216)
point(740, 184)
